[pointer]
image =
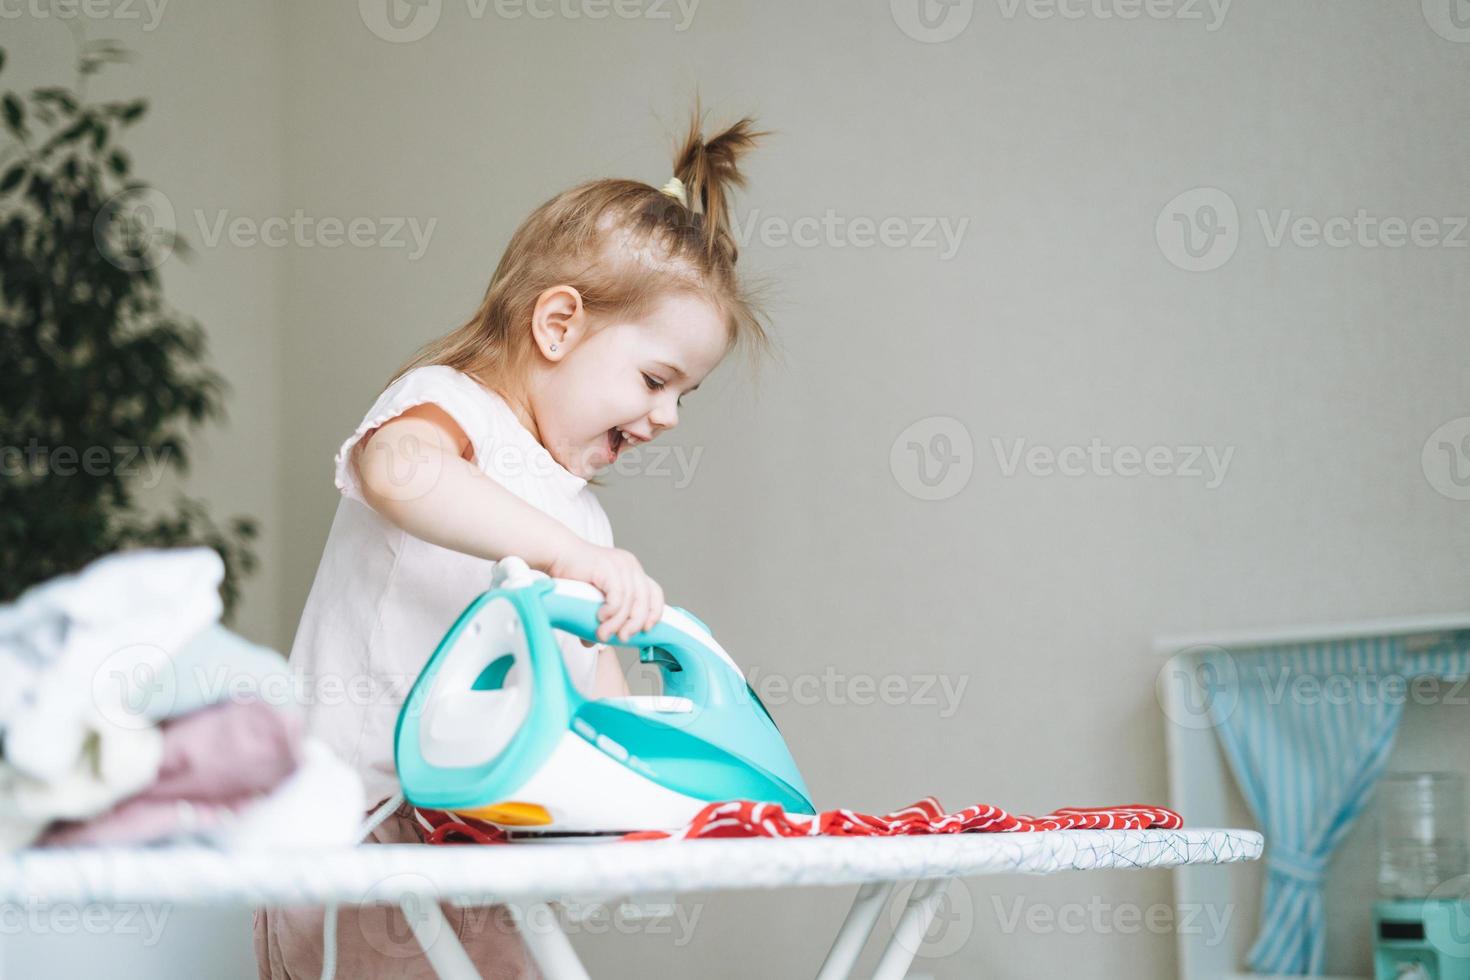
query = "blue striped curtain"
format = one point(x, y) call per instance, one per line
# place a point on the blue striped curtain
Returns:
point(1307, 730)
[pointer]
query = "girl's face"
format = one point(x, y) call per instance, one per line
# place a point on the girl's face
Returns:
point(603, 391)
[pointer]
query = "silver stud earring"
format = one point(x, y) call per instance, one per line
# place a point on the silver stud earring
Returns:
point(553, 347)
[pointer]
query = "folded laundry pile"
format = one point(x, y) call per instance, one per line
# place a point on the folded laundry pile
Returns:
point(129, 715)
point(743, 818)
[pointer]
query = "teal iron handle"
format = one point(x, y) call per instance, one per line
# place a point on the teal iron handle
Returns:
point(683, 661)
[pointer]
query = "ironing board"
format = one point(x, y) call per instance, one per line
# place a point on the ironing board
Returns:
point(527, 877)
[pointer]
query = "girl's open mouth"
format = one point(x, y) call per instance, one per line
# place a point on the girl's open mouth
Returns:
point(615, 442)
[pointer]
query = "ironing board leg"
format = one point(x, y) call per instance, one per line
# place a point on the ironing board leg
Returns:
point(549, 946)
point(917, 914)
point(856, 928)
point(434, 933)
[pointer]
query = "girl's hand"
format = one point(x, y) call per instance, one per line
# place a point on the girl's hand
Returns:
point(634, 602)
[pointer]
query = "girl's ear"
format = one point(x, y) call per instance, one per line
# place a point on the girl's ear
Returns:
point(558, 321)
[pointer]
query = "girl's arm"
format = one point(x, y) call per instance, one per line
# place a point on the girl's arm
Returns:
point(415, 471)
point(610, 681)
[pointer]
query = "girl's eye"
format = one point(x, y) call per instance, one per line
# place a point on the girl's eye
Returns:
point(654, 384)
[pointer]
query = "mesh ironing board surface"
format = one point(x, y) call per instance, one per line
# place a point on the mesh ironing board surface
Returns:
point(481, 873)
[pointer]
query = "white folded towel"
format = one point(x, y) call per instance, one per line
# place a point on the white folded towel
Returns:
point(83, 656)
point(81, 653)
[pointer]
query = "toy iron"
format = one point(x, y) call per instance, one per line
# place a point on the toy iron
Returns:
point(495, 729)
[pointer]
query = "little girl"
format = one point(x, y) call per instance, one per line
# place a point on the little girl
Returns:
point(612, 302)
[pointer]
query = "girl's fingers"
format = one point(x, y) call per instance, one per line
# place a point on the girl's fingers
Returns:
point(637, 611)
point(655, 605)
point(619, 607)
point(612, 603)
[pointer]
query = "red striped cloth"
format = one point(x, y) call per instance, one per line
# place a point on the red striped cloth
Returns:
point(742, 818)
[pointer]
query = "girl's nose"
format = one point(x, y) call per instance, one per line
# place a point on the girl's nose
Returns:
point(665, 416)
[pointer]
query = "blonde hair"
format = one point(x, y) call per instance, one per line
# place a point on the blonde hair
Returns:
point(624, 245)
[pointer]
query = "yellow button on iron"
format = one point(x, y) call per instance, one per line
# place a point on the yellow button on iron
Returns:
point(511, 813)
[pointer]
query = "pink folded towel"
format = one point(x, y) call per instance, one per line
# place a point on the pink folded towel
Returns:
point(215, 761)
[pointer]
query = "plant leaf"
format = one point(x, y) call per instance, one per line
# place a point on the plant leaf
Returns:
point(15, 115)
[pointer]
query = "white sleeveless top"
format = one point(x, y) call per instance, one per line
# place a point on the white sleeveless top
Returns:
point(382, 598)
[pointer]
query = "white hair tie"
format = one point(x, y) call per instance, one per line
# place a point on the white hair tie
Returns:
point(675, 189)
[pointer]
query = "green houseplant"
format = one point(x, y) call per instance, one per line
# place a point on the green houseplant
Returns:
point(102, 380)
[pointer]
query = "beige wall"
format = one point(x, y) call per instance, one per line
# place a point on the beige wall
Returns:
point(1059, 319)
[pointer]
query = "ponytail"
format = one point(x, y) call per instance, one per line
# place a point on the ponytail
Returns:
point(707, 169)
